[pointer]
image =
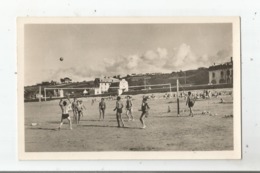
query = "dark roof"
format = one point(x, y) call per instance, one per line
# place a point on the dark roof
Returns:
point(115, 84)
point(108, 80)
point(221, 66)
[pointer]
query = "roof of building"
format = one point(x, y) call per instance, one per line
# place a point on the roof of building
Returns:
point(108, 80)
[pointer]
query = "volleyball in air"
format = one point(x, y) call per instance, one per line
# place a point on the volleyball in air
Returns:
point(61, 59)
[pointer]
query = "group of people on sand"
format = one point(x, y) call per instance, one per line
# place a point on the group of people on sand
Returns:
point(129, 108)
point(77, 108)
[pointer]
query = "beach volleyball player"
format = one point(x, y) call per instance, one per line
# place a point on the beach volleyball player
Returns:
point(65, 108)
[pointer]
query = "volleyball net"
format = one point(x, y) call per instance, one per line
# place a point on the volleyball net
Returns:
point(61, 92)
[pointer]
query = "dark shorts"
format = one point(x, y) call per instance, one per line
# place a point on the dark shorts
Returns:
point(64, 116)
point(145, 112)
point(102, 110)
point(119, 111)
point(190, 104)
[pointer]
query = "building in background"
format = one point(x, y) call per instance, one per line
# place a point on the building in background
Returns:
point(94, 91)
point(120, 87)
point(123, 85)
point(104, 83)
point(221, 73)
point(61, 93)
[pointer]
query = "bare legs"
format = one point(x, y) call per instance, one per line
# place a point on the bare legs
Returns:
point(75, 114)
point(79, 115)
point(142, 117)
point(129, 112)
point(191, 112)
point(61, 123)
point(101, 114)
point(119, 119)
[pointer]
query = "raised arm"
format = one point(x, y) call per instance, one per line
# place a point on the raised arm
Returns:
point(60, 103)
point(68, 99)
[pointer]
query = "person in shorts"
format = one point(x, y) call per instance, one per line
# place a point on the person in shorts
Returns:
point(65, 108)
point(144, 108)
point(190, 103)
point(119, 110)
point(74, 109)
point(80, 108)
point(102, 108)
point(129, 108)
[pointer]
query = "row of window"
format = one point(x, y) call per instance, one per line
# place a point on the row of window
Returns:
point(221, 81)
point(221, 73)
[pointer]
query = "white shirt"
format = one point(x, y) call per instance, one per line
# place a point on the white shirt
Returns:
point(65, 109)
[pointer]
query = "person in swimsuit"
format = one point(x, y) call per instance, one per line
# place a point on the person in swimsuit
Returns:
point(74, 109)
point(144, 108)
point(65, 108)
point(129, 107)
point(118, 109)
point(80, 108)
point(190, 103)
point(102, 108)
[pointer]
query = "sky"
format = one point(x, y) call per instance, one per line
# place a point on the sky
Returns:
point(96, 50)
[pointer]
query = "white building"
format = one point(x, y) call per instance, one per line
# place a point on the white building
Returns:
point(109, 84)
point(123, 85)
point(221, 74)
point(102, 84)
point(61, 93)
point(105, 83)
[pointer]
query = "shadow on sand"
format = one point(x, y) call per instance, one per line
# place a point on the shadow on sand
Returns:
point(109, 126)
point(43, 128)
point(172, 116)
point(106, 120)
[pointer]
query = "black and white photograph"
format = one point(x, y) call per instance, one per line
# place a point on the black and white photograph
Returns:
point(129, 88)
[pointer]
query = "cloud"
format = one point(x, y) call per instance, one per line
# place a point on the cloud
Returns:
point(158, 60)
point(182, 58)
point(78, 73)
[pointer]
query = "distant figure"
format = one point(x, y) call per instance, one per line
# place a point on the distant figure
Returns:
point(209, 94)
point(102, 108)
point(65, 108)
point(118, 109)
point(92, 102)
point(144, 108)
point(165, 95)
point(129, 108)
point(80, 107)
point(169, 109)
point(190, 102)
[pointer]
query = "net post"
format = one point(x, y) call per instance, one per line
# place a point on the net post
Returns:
point(178, 104)
point(44, 94)
point(40, 93)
